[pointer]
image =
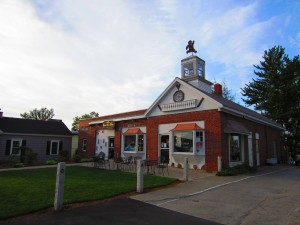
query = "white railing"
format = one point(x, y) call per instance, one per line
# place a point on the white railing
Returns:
point(179, 105)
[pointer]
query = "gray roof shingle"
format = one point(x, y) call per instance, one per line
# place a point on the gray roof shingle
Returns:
point(28, 126)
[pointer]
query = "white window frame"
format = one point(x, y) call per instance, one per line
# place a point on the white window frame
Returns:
point(84, 145)
point(12, 146)
point(235, 163)
point(194, 152)
point(52, 141)
point(136, 143)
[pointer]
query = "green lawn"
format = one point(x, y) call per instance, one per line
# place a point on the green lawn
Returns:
point(26, 191)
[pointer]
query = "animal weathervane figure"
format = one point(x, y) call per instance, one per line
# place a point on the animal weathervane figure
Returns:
point(190, 47)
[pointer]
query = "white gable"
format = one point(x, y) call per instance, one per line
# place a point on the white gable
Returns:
point(194, 100)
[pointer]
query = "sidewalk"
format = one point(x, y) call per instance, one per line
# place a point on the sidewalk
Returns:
point(199, 181)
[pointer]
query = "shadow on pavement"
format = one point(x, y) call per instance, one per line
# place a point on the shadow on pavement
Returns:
point(116, 211)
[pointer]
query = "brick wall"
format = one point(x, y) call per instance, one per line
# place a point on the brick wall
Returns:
point(216, 141)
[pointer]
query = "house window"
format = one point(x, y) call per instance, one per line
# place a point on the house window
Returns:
point(134, 143)
point(54, 149)
point(84, 144)
point(235, 148)
point(15, 147)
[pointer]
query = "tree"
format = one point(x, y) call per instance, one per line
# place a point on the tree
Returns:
point(38, 114)
point(275, 93)
point(227, 93)
point(85, 116)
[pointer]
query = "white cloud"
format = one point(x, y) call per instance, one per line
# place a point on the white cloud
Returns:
point(113, 56)
point(103, 62)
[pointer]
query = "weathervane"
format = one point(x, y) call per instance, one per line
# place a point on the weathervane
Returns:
point(190, 47)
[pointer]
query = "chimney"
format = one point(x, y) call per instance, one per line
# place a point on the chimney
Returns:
point(218, 89)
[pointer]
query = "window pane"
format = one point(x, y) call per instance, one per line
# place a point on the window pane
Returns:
point(140, 143)
point(54, 149)
point(129, 141)
point(164, 141)
point(84, 144)
point(16, 147)
point(183, 141)
point(200, 143)
point(235, 148)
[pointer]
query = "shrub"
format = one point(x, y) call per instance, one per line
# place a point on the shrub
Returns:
point(27, 156)
point(233, 171)
point(51, 162)
point(63, 156)
point(18, 165)
point(86, 160)
point(12, 160)
point(77, 158)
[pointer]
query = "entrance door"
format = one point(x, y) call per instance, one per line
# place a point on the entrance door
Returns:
point(111, 147)
point(250, 150)
point(165, 146)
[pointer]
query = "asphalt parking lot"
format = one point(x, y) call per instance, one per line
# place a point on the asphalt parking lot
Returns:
point(123, 211)
point(271, 196)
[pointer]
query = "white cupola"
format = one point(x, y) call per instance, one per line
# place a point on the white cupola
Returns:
point(193, 72)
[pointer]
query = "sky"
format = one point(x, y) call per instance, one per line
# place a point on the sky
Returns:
point(79, 56)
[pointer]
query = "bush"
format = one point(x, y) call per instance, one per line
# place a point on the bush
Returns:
point(27, 156)
point(18, 165)
point(77, 158)
point(63, 156)
point(51, 162)
point(86, 160)
point(233, 171)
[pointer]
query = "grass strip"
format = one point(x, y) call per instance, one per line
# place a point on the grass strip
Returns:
point(26, 191)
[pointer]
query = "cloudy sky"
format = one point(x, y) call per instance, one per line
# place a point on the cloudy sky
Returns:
point(78, 56)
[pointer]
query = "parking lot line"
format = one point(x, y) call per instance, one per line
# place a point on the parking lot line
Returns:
point(218, 186)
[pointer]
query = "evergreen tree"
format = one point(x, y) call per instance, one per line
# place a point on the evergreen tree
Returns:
point(275, 93)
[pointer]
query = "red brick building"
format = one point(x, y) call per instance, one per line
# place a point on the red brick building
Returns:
point(187, 120)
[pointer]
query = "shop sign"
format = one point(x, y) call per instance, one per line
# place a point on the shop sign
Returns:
point(109, 124)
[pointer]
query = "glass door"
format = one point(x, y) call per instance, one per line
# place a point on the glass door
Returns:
point(111, 147)
point(165, 146)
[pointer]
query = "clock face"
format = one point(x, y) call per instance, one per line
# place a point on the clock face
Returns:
point(178, 96)
point(188, 69)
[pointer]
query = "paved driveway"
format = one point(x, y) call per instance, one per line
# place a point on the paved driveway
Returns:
point(270, 197)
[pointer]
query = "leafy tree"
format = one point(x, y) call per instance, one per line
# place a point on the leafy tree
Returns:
point(85, 116)
point(275, 93)
point(38, 114)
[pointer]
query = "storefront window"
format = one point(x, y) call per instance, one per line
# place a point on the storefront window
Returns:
point(133, 141)
point(189, 142)
point(130, 143)
point(235, 148)
point(183, 141)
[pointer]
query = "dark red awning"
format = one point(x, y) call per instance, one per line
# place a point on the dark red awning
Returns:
point(187, 126)
point(134, 131)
